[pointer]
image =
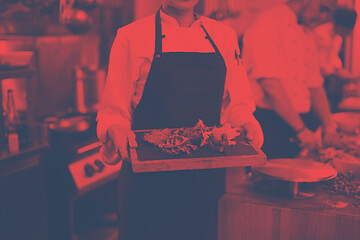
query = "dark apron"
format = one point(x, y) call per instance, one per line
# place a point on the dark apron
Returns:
point(277, 133)
point(181, 88)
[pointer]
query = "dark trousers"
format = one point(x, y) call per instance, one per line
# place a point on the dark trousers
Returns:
point(334, 91)
point(277, 133)
point(173, 205)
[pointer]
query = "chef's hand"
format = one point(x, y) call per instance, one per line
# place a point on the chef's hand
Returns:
point(254, 133)
point(122, 138)
point(331, 138)
point(308, 139)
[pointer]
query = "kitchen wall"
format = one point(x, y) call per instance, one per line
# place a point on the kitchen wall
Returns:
point(143, 8)
point(57, 50)
point(57, 57)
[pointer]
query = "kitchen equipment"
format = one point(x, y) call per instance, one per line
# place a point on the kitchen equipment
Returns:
point(100, 166)
point(11, 123)
point(22, 21)
point(89, 82)
point(16, 58)
point(90, 170)
point(69, 51)
point(295, 171)
point(77, 21)
point(70, 124)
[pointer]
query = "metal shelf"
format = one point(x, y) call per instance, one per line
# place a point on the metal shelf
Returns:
point(19, 73)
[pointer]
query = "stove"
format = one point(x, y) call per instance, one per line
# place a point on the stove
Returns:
point(89, 171)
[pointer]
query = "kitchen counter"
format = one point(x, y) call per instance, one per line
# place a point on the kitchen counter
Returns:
point(23, 187)
point(248, 214)
point(32, 141)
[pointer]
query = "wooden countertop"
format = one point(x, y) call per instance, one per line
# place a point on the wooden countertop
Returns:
point(245, 213)
point(321, 202)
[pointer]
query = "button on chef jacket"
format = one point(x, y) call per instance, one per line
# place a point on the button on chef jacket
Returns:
point(132, 54)
point(276, 46)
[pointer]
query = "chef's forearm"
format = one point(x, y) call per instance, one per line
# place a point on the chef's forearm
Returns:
point(320, 106)
point(280, 103)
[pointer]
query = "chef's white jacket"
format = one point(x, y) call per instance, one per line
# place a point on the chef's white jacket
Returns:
point(131, 57)
point(329, 45)
point(276, 46)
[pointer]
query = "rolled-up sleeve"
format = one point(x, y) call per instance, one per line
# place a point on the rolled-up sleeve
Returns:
point(314, 79)
point(238, 104)
point(115, 106)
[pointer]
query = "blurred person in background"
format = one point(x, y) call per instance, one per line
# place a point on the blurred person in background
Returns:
point(280, 54)
point(329, 39)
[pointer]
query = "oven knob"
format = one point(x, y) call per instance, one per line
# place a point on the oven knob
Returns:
point(99, 164)
point(89, 170)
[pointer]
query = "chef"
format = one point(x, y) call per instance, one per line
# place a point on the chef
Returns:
point(329, 41)
point(168, 70)
point(283, 70)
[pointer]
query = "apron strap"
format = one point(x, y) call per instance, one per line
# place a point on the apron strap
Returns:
point(210, 39)
point(159, 36)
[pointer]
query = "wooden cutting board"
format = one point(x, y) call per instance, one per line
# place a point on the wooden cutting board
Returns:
point(149, 158)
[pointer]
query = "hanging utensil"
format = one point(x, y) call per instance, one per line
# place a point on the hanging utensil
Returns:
point(89, 82)
point(77, 21)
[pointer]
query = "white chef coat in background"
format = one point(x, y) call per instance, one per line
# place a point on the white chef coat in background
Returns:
point(276, 46)
point(131, 57)
point(329, 45)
